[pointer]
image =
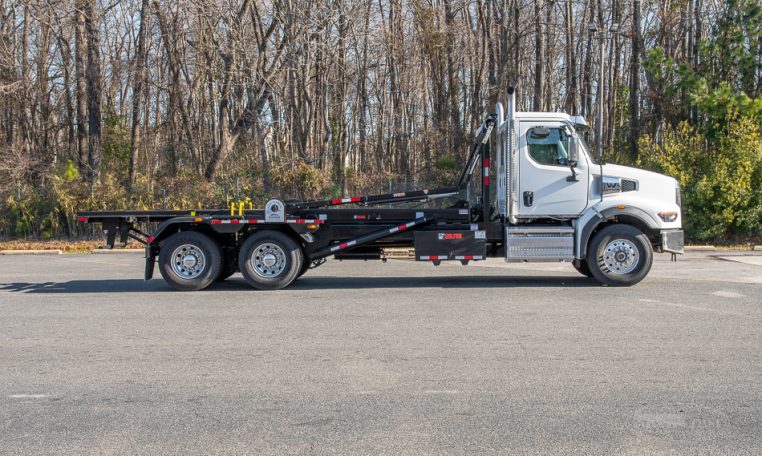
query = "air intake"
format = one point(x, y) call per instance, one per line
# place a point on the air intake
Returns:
point(629, 185)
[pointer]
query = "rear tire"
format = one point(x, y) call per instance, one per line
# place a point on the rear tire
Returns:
point(225, 274)
point(270, 260)
point(190, 261)
point(620, 255)
point(228, 268)
point(305, 268)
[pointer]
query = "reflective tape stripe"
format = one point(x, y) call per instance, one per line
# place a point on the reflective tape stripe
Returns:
point(254, 221)
point(469, 257)
point(346, 200)
point(433, 257)
point(303, 221)
point(343, 246)
point(401, 227)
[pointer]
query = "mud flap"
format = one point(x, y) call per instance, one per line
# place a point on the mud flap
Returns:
point(150, 264)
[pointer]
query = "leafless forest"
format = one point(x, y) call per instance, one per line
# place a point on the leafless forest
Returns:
point(114, 103)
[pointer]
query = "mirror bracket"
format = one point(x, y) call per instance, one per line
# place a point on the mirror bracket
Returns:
point(574, 176)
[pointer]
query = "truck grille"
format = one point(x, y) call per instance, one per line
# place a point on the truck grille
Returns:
point(629, 185)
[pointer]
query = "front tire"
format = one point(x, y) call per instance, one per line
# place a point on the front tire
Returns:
point(582, 267)
point(270, 260)
point(190, 261)
point(620, 255)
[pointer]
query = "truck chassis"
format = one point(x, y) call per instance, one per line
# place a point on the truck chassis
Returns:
point(274, 246)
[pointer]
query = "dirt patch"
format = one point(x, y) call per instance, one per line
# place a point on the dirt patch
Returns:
point(63, 246)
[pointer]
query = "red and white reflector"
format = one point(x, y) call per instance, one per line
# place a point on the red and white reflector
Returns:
point(434, 257)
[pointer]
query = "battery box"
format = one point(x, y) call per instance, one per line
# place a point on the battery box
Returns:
point(450, 245)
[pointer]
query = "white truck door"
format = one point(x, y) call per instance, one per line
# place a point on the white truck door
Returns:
point(544, 187)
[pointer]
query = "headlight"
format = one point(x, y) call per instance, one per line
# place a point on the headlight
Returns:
point(670, 216)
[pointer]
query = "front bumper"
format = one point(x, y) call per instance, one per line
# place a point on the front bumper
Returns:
point(672, 241)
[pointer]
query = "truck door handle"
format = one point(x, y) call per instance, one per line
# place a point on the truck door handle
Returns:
point(528, 198)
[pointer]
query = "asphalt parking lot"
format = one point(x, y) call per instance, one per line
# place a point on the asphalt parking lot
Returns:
point(369, 358)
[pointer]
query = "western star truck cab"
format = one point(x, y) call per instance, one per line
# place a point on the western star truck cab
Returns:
point(552, 202)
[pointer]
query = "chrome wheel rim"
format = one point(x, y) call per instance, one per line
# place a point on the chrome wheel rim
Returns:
point(268, 260)
point(188, 261)
point(621, 256)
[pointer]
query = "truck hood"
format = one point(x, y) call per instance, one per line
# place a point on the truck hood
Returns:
point(654, 190)
point(636, 174)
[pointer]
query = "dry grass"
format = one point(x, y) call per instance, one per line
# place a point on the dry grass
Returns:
point(64, 246)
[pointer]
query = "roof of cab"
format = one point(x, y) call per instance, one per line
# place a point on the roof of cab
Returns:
point(544, 115)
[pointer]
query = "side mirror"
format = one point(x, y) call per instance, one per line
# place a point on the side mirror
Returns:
point(573, 150)
point(573, 158)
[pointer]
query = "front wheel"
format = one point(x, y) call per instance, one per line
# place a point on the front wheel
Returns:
point(620, 255)
point(270, 260)
point(190, 261)
point(582, 267)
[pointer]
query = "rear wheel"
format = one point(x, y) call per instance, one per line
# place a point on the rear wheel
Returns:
point(310, 265)
point(270, 260)
point(228, 268)
point(620, 255)
point(225, 273)
point(190, 261)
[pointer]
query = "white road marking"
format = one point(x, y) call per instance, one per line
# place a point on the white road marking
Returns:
point(441, 392)
point(728, 294)
point(685, 306)
point(27, 396)
point(754, 260)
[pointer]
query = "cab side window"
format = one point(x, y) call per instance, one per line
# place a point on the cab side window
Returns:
point(548, 146)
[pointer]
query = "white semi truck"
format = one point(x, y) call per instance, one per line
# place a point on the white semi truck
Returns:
point(552, 202)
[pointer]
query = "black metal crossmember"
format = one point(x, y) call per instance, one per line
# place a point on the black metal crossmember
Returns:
point(366, 238)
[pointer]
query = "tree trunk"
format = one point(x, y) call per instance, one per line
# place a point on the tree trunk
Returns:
point(93, 76)
point(539, 55)
point(571, 61)
point(137, 92)
point(635, 82)
point(79, 64)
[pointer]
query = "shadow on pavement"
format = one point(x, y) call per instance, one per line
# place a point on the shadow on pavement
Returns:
point(87, 286)
point(307, 283)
